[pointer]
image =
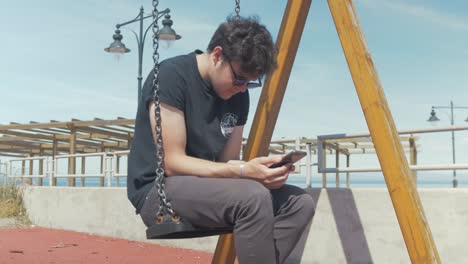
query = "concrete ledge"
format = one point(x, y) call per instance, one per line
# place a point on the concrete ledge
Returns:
point(350, 225)
point(7, 222)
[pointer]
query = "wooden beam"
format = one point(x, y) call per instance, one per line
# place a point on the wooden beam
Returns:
point(65, 125)
point(48, 130)
point(102, 132)
point(83, 170)
point(22, 152)
point(31, 170)
point(41, 168)
point(102, 179)
point(405, 198)
point(12, 147)
point(347, 173)
point(357, 146)
point(290, 33)
point(19, 144)
point(72, 160)
point(132, 126)
point(19, 138)
point(12, 155)
point(124, 129)
point(54, 153)
point(28, 135)
point(88, 135)
point(337, 165)
point(363, 139)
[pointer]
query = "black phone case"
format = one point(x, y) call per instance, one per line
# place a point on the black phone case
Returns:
point(288, 159)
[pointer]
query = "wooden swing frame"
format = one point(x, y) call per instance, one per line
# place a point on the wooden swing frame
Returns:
point(405, 198)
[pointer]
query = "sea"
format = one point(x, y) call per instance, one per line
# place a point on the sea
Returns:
point(363, 180)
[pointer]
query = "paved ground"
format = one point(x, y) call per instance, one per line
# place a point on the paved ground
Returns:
point(41, 246)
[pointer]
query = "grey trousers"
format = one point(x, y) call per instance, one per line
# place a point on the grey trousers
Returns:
point(267, 223)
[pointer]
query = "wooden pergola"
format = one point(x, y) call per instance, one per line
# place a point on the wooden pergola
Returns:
point(57, 138)
point(99, 135)
point(75, 136)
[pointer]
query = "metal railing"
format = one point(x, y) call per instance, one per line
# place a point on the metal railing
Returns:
point(116, 172)
point(109, 169)
point(13, 171)
point(110, 161)
point(321, 156)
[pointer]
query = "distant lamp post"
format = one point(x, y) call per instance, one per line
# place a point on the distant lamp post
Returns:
point(434, 119)
point(166, 35)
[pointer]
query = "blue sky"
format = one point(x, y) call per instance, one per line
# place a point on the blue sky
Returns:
point(53, 65)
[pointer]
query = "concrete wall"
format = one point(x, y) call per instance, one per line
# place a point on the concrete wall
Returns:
point(350, 225)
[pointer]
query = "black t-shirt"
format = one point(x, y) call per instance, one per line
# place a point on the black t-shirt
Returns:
point(209, 120)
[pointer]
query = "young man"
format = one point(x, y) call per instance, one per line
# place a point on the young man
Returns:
point(204, 106)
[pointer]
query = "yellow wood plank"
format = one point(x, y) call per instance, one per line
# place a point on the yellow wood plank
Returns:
point(405, 198)
point(271, 98)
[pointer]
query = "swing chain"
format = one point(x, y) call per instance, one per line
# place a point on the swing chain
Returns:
point(164, 206)
point(237, 9)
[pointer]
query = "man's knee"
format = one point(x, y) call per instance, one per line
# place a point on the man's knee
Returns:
point(256, 199)
point(307, 204)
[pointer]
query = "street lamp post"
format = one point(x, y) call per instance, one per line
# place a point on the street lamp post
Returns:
point(434, 118)
point(165, 34)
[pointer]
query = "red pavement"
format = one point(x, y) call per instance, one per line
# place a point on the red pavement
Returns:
point(44, 246)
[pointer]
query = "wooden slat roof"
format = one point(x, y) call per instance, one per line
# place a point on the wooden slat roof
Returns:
point(21, 140)
point(34, 138)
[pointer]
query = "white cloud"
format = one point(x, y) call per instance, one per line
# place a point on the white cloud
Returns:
point(420, 11)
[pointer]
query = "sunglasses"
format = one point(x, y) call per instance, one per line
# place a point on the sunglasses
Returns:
point(241, 81)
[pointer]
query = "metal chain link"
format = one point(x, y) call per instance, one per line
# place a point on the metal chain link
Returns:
point(164, 206)
point(237, 9)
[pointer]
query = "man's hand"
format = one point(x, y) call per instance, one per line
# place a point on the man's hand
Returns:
point(272, 178)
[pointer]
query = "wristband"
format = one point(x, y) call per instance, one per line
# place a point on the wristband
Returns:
point(241, 171)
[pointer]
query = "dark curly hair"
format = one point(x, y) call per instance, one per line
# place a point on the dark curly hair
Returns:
point(248, 42)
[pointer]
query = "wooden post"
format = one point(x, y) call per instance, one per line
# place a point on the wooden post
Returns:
point(337, 165)
point(23, 170)
point(83, 170)
point(324, 164)
point(29, 181)
point(40, 180)
point(117, 170)
point(347, 173)
point(270, 101)
point(413, 158)
point(308, 165)
point(405, 198)
point(102, 178)
point(54, 153)
point(72, 161)
point(297, 146)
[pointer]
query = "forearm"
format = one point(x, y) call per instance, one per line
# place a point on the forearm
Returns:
point(185, 165)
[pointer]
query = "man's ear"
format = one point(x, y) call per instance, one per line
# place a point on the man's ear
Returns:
point(217, 55)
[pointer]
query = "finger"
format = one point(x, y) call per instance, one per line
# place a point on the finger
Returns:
point(267, 161)
point(261, 160)
point(274, 159)
point(276, 179)
point(274, 172)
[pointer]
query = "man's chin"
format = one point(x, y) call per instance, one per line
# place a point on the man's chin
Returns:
point(226, 96)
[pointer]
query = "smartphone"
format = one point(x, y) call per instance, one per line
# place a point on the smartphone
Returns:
point(292, 157)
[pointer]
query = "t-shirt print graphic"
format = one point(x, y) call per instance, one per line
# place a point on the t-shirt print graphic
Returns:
point(228, 122)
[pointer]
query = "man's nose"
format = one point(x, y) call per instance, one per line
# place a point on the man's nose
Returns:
point(242, 88)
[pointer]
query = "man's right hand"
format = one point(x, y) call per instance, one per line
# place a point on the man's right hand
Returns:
point(272, 178)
